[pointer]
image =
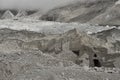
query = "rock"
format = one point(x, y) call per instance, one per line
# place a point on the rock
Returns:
point(109, 17)
point(110, 36)
point(86, 68)
point(7, 15)
point(94, 12)
point(67, 55)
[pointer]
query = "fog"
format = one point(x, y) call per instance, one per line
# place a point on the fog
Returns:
point(44, 5)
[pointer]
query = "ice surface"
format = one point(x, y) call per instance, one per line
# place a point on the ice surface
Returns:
point(48, 27)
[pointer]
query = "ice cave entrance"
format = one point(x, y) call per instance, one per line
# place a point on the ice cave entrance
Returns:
point(96, 61)
point(76, 52)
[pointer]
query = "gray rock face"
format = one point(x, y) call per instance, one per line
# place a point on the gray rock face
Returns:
point(102, 12)
point(109, 17)
point(30, 55)
point(111, 36)
point(18, 13)
point(2, 12)
point(23, 35)
point(7, 15)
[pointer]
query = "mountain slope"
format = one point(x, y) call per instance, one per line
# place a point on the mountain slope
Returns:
point(86, 11)
point(111, 36)
point(110, 17)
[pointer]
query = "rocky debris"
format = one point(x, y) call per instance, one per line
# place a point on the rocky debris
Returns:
point(67, 55)
point(106, 70)
point(23, 35)
point(82, 39)
point(21, 59)
point(110, 36)
point(45, 45)
point(5, 71)
point(31, 64)
point(73, 40)
point(10, 45)
point(38, 56)
point(81, 43)
point(84, 60)
point(37, 75)
point(18, 40)
point(117, 62)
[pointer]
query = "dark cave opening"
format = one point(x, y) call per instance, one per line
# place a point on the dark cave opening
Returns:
point(96, 63)
point(76, 52)
point(95, 55)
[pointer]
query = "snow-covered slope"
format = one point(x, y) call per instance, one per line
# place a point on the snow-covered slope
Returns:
point(48, 27)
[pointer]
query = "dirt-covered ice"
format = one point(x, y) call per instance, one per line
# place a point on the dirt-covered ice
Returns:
point(30, 51)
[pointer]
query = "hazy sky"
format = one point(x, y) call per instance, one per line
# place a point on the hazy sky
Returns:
point(43, 4)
